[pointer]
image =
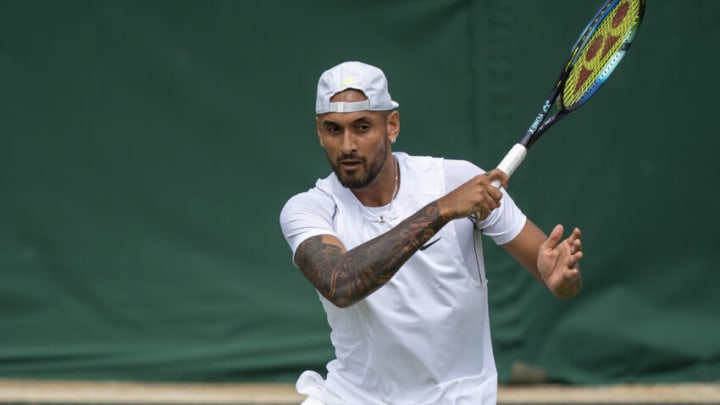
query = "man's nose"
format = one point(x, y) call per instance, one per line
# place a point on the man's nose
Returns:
point(348, 144)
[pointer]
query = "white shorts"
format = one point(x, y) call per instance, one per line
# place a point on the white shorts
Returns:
point(313, 386)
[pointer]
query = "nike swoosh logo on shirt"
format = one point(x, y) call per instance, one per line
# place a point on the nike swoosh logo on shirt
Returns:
point(427, 245)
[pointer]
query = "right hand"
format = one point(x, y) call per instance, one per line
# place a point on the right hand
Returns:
point(477, 196)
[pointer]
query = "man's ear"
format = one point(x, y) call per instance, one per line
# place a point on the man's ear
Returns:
point(393, 125)
point(317, 126)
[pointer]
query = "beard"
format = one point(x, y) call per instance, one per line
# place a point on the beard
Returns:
point(364, 174)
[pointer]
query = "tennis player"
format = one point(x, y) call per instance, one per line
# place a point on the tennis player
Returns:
point(392, 243)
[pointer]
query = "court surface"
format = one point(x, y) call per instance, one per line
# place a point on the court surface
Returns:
point(77, 392)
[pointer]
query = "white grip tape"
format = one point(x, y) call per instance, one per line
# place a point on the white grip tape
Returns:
point(511, 161)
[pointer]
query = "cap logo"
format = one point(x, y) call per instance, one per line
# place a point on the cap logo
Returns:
point(348, 81)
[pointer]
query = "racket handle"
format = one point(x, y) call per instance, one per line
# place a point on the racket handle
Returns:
point(511, 161)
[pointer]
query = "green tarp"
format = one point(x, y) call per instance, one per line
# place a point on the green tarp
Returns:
point(146, 148)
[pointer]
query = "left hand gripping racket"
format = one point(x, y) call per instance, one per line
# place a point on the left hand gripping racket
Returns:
point(593, 58)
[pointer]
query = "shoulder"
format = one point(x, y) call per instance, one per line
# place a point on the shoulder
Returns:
point(458, 172)
point(307, 214)
point(455, 171)
point(461, 166)
point(316, 200)
point(421, 163)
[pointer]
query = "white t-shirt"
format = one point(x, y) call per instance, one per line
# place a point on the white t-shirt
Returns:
point(424, 337)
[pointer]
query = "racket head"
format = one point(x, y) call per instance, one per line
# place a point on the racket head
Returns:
point(599, 50)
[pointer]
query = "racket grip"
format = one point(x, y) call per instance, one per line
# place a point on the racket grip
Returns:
point(511, 161)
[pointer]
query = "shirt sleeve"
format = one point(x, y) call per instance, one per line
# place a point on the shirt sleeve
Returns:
point(504, 223)
point(306, 215)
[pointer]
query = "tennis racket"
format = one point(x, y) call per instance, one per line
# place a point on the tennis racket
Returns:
point(595, 55)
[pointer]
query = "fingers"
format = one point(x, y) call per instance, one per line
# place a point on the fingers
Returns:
point(575, 235)
point(477, 197)
point(576, 253)
point(574, 248)
point(571, 247)
point(570, 285)
point(486, 197)
point(565, 279)
point(483, 209)
point(493, 192)
point(576, 244)
point(555, 235)
point(574, 259)
point(573, 240)
point(497, 174)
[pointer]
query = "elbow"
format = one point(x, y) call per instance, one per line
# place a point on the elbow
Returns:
point(340, 302)
point(339, 296)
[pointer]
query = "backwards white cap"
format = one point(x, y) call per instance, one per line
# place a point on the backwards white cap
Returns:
point(353, 75)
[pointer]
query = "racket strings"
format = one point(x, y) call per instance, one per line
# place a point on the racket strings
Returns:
point(601, 52)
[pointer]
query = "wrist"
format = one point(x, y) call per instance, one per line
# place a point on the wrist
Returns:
point(446, 210)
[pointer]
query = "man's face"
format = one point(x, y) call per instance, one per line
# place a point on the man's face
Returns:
point(357, 144)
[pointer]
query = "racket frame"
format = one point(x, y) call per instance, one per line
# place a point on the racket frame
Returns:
point(541, 123)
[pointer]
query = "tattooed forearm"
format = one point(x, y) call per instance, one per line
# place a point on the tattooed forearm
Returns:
point(347, 277)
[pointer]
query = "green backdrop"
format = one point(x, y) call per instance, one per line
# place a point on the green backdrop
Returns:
point(146, 148)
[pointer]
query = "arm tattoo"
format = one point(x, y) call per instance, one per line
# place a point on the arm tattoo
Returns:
point(345, 278)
